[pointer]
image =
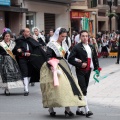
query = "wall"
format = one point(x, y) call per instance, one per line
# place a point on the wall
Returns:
point(15, 22)
point(60, 11)
point(2, 21)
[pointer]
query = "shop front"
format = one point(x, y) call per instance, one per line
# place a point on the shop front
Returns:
point(81, 20)
point(11, 16)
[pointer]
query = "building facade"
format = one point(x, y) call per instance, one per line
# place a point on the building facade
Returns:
point(118, 13)
point(103, 23)
point(11, 15)
point(83, 17)
point(44, 14)
point(47, 14)
point(98, 11)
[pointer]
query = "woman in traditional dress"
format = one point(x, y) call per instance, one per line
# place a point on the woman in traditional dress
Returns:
point(10, 73)
point(67, 92)
point(38, 36)
point(104, 51)
point(113, 44)
point(94, 43)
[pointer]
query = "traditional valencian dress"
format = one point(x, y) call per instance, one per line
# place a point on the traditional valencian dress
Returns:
point(9, 69)
point(68, 93)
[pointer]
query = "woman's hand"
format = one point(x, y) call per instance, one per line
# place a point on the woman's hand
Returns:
point(78, 60)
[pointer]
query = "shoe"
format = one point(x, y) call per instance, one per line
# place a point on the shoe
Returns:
point(89, 114)
point(69, 114)
point(116, 63)
point(26, 93)
point(6, 92)
point(80, 113)
point(53, 114)
point(33, 84)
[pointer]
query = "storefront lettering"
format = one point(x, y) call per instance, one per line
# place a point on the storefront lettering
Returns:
point(77, 14)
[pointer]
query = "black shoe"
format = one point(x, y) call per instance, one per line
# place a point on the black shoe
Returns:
point(80, 113)
point(33, 84)
point(116, 63)
point(53, 114)
point(89, 114)
point(69, 114)
point(7, 93)
point(26, 93)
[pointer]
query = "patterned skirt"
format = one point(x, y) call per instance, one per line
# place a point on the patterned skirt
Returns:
point(62, 95)
point(10, 75)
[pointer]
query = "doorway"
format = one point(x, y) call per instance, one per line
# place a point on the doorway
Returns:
point(49, 22)
point(7, 19)
point(75, 25)
point(30, 20)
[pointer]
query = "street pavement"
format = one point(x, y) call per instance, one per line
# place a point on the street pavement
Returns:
point(103, 98)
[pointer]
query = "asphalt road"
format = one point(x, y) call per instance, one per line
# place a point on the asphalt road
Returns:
point(19, 107)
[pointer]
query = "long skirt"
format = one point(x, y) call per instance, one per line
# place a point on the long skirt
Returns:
point(62, 95)
point(114, 47)
point(10, 75)
point(104, 51)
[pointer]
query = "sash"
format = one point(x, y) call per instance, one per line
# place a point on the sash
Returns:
point(58, 49)
point(6, 48)
point(88, 65)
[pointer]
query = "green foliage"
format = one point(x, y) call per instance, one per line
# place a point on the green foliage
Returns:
point(112, 14)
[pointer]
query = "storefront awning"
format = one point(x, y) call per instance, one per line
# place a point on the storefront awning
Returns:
point(13, 9)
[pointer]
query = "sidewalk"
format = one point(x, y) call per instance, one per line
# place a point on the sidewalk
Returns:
point(107, 91)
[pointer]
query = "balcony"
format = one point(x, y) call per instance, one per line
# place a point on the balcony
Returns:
point(102, 5)
point(79, 4)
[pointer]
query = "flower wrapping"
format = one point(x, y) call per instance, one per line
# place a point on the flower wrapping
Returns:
point(54, 62)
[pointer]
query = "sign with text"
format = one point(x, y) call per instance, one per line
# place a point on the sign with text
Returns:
point(5, 2)
point(79, 14)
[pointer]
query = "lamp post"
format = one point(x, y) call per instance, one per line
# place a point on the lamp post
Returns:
point(110, 18)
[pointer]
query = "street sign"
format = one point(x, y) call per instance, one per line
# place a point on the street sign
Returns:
point(5, 2)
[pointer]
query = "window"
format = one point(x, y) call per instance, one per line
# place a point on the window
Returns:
point(104, 2)
point(30, 20)
point(99, 2)
point(93, 3)
point(115, 3)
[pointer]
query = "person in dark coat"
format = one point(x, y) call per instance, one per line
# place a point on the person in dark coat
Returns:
point(84, 58)
point(48, 37)
point(41, 40)
point(28, 51)
point(118, 52)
